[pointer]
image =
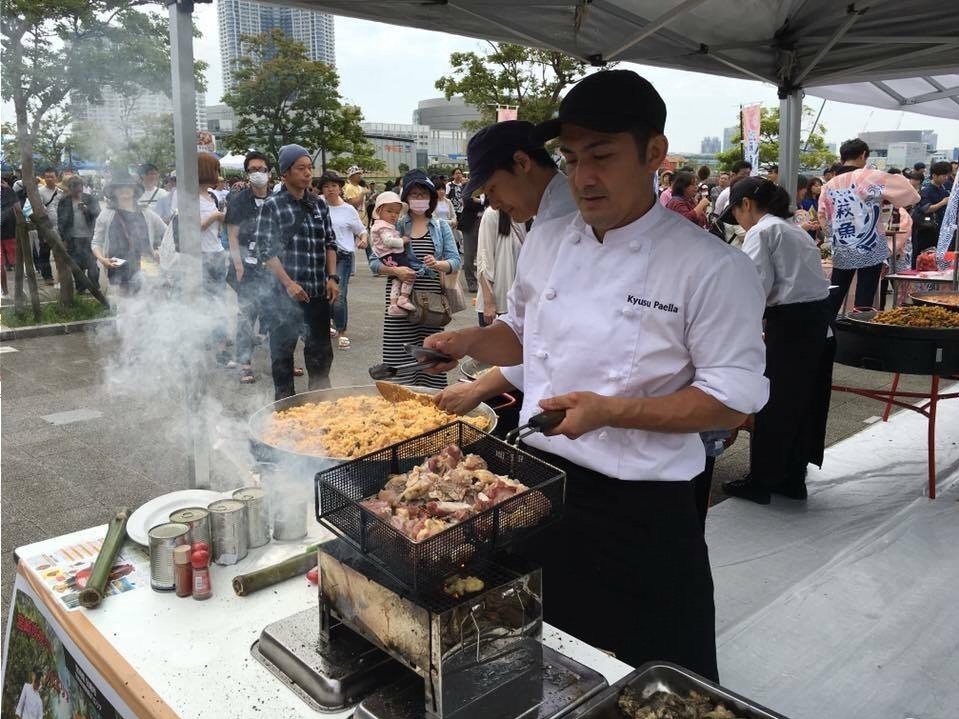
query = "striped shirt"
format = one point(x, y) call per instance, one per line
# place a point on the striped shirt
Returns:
point(298, 233)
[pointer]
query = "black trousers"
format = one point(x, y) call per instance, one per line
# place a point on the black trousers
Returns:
point(41, 259)
point(627, 569)
point(789, 433)
point(470, 245)
point(867, 282)
point(252, 292)
point(289, 320)
point(79, 249)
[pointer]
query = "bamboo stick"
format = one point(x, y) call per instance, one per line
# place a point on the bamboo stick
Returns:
point(92, 593)
point(244, 584)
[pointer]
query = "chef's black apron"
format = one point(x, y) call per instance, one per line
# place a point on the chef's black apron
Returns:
point(627, 570)
point(790, 431)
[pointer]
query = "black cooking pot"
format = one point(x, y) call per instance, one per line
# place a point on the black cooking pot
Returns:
point(860, 342)
point(925, 298)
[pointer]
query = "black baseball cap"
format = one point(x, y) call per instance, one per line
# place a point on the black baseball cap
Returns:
point(756, 188)
point(489, 148)
point(608, 101)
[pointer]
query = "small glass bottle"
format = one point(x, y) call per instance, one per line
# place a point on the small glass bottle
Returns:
point(202, 587)
point(183, 570)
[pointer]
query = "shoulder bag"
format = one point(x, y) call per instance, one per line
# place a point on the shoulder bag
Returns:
point(432, 309)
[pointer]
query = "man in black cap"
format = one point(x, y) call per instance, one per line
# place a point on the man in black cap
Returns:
point(643, 330)
point(519, 178)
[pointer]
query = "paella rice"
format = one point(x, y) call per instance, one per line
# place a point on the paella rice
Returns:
point(923, 316)
point(354, 426)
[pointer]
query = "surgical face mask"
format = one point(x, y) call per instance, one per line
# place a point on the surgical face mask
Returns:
point(419, 206)
point(259, 179)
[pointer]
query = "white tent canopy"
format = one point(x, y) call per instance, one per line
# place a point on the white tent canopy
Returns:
point(936, 95)
point(232, 162)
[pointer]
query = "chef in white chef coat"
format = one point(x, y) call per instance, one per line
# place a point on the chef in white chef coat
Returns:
point(520, 178)
point(646, 330)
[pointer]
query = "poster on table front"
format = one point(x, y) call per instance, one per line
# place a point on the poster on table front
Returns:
point(44, 674)
point(751, 129)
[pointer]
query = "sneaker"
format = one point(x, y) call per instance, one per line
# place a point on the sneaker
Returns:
point(747, 489)
point(332, 331)
point(404, 303)
point(343, 343)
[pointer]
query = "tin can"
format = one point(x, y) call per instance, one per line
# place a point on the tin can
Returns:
point(257, 514)
point(164, 538)
point(289, 519)
point(197, 519)
point(228, 523)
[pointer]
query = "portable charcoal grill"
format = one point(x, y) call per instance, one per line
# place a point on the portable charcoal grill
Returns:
point(389, 640)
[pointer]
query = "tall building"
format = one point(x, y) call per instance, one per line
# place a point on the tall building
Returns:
point(880, 142)
point(119, 116)
point(710, 146)
point(244, 17)
point(902, 154)
point(415, 145)
point(728, 134)
point(442, 114)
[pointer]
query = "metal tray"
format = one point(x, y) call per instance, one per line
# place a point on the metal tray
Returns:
point(922, 298)
point(266, 452)
point(420, 565)
point(473, 368)
point(665, 676)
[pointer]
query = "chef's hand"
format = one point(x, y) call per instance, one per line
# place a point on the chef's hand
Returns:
point(455, 344)
point(489, 312)
point(297, 293)
point(332, 290)
point(458, 398)
point(585, 411)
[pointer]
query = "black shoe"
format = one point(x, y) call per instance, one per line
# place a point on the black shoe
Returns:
point(747, 489)
point(793, 491)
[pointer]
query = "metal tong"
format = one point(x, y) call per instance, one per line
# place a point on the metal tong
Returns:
point(423, 358)
point(542, 422)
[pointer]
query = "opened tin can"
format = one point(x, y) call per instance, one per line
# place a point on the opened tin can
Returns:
point(164, 538)
point(257, 514)
point(197, 519)
point(228, 524)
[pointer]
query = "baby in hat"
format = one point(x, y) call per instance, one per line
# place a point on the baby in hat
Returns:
point(389, 246)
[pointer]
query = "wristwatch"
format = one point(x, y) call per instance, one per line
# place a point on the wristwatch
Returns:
point(335, 278)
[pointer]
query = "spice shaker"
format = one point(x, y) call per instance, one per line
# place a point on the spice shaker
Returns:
point(183, 570)
point(202, 587)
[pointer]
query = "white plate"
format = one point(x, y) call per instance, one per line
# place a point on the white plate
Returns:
point(158, 510)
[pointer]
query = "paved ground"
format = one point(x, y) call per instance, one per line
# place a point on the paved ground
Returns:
point(125, 444)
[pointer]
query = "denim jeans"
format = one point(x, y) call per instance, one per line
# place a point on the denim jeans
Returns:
point(344, 268)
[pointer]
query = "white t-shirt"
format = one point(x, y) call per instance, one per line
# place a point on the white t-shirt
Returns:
point(150, 198)
point(210, 237)
point(346, 225)
point(30, 705)
point(52, 197)
point(657, 306)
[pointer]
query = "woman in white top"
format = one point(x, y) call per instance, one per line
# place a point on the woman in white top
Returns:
point(498, 246)
point(444, 208)
point(212, 250)
point(350, 236)
point(789, 432)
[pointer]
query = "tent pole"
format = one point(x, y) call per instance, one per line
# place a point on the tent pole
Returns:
point(790, 122)
point(188, 208)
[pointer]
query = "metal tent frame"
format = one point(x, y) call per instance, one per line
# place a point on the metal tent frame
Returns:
point(792, 44)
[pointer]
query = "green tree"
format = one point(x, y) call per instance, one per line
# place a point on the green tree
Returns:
point(57, 48)
point(817, 154)
point(281, 96)
point(49, 143)
point(512, 75)
point(403, 168)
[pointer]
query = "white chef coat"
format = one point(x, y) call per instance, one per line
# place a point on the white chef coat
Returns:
point(557, 201)
point(788, 262)
point(659, 305)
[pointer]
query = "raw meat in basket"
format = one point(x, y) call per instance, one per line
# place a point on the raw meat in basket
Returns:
point(441, 492)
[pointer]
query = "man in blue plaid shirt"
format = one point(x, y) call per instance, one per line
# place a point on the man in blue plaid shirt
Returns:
point(294, 238)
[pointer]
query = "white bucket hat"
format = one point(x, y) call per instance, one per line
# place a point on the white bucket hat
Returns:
point(387, 198)
point(353, 170)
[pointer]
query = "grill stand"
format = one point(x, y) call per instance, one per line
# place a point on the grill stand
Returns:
point(431, 657)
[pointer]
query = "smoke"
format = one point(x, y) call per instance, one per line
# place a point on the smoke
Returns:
point(166, 342)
